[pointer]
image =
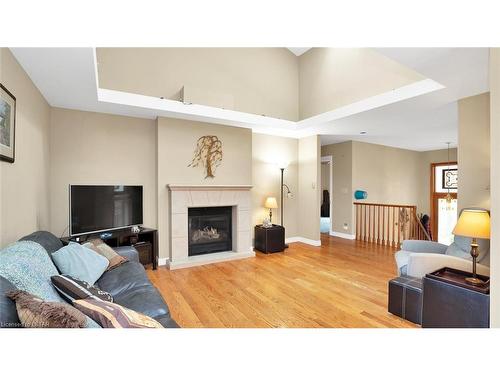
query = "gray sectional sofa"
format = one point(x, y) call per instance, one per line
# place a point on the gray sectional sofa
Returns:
point(127, 283)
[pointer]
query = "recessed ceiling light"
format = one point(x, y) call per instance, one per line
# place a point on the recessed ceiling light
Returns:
point(362, 132)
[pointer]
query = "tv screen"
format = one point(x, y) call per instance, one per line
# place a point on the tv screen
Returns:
point(95, 208)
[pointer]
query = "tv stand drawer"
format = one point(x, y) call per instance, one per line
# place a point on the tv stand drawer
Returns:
point(145, 250)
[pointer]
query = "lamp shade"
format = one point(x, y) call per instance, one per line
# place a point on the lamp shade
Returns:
point(282, 164)
point(473, 223)
point(271, 203)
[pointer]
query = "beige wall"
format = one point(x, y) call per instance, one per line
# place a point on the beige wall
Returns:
point(176, 141)
point(269, 81)
point(309, 183)
point(342, 212)
point(474, 151)
point(94, 148)
point(108, 149)
point(333, 77)
point(253, 80)
point(389, 175)
point(405, 173)
point(426, 159)
point(495, 186)
point(24, 200)
point(267, 152)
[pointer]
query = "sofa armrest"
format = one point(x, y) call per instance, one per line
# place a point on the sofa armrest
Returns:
point(128, 252)
point(419, 264)
point(419, 246)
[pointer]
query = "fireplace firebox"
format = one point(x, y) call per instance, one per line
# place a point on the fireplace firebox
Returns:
point(209, 230)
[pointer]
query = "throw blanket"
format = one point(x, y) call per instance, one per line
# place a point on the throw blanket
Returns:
point(28, 267)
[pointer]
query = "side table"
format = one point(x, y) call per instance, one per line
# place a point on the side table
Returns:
point(270, 240)
point(450, 302)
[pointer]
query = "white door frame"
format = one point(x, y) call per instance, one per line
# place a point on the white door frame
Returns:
point(329, 159)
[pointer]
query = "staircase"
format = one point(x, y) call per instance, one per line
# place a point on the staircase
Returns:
point(388, 224)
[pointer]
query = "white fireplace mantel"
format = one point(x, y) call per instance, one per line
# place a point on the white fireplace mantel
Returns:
point(180, 187)
point(182, 197)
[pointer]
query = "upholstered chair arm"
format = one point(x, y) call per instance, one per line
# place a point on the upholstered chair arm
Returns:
point(420, 264)
point(419, 246)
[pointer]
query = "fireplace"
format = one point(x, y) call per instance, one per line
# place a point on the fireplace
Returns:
point(209, 230)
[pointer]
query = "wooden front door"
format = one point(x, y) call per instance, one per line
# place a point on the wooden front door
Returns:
point(443, 214)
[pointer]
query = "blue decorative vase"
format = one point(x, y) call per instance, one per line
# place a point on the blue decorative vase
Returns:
point(360, 194)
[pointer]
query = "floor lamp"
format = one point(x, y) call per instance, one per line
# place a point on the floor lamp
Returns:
point(288, 194)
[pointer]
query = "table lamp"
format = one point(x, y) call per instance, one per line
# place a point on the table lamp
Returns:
point(271, 203)
point(474, 223)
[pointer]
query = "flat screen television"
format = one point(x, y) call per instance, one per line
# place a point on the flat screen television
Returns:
point(96, 208)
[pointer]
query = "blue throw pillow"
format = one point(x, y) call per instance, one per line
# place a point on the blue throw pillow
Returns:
point(28, 267)
point(80, 262)
point(456, 250)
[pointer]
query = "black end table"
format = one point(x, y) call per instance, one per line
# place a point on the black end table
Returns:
point(450, 302)
point(270, 240)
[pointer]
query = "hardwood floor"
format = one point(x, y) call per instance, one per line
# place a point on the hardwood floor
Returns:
point(341, 284)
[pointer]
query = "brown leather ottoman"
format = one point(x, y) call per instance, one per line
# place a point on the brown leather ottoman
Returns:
point(405, 298)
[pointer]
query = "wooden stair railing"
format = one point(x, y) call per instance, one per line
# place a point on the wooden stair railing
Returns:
point(420, 232)
point(388, 224)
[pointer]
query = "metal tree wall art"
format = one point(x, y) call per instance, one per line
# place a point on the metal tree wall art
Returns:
point(208, 154)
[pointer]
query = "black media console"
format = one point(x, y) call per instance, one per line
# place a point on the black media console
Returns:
point(145, 242)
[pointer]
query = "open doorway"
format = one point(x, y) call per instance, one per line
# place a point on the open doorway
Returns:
point(326, 194)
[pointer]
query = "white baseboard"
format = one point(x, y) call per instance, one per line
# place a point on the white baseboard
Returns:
point(303, 240)
point(162, 261)
point(343, 235)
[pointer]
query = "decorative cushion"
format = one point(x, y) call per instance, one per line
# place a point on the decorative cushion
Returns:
point(71, 288)
point(28, 267)
point(33, 312)
point(111, 315)
point(80, 262)
point(461, 248)
point(106, 251)
point(456, 251)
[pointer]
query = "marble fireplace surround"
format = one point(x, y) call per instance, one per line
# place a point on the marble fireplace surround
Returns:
point(181, 197)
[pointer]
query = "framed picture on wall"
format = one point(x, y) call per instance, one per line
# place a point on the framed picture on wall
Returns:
point(7, 124)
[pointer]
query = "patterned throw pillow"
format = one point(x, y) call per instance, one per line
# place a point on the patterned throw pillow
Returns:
point(106, 251)
point(34, 312)
point(71, 288)
point(111, 315)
